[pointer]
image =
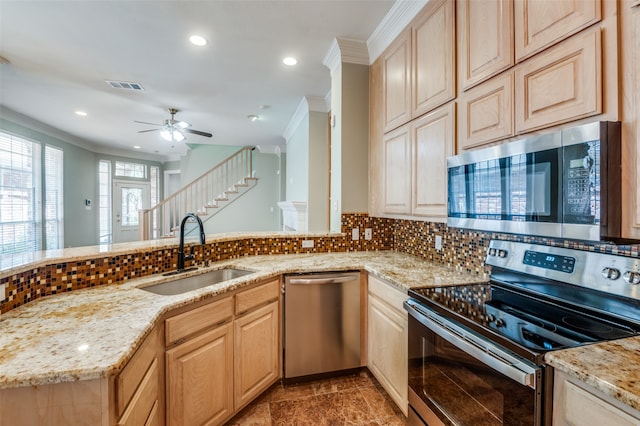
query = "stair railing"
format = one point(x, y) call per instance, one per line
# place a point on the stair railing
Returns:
point(201, 194)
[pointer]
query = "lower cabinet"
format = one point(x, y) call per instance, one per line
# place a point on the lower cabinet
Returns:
point(578, 404)
point(256, 364)
point(221, 355)
point(200, 378)
point(387, 339)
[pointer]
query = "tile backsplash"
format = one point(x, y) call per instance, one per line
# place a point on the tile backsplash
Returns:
point(461, 249)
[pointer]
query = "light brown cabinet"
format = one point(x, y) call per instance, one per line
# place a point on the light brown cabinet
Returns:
point(486, 112)
point(396, 171)
point(138, 387)
point(578, 404)
point(396, 82)
point(561, 84)
point(433, 139)
point(415, 165)
point(433, 60)
point(539, 24)
point(256, 360)
point(200, 378)
point(221, 355)
point(387, 339)
point(485, 39)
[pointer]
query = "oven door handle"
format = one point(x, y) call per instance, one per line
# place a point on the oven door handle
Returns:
point(474, 345)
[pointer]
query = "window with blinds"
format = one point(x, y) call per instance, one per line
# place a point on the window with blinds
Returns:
point(31, 196)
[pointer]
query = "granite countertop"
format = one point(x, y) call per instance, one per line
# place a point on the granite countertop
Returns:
point(610, 367)
point(92, 333)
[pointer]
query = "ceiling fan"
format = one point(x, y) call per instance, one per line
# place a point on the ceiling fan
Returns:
point(173, 130)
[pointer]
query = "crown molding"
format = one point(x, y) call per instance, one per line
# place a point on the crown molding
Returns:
point(346, 50)
point(399, 16)
point(307, 104)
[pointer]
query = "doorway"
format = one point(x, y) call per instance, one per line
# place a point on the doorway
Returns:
point(128, 198)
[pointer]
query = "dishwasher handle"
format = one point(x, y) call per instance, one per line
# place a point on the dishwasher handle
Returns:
point(321, 281)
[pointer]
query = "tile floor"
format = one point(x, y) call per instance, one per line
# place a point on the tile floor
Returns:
point(356, 399)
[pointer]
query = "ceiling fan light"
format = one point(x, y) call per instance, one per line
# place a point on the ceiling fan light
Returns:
point(178, 136)
point(182, 124)
point(165, 134)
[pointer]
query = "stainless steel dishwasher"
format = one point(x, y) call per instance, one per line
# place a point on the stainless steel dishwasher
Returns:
point(321, 323)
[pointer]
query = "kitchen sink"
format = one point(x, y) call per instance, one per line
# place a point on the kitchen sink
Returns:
point(195, 282)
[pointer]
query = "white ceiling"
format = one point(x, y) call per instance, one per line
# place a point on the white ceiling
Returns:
point(61, 52)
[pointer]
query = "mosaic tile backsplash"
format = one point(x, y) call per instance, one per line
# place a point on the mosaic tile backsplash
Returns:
point(462, 249)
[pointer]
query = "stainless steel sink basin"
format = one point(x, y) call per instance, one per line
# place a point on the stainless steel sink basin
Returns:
point(183, 285)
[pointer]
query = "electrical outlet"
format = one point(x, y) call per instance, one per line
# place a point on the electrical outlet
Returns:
point(355, 234)
point(438, 242)
point(368, 233)
point(307, 243)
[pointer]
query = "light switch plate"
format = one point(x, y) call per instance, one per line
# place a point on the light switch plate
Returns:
point(307, 243)
point(355, 234)
point(438, 242)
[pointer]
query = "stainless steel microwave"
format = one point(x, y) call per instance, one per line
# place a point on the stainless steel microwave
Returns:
point(564, 184)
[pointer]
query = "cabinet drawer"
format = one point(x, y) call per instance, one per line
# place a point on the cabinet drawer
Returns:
point(257, 296)
point(390, 295)
point(198, 319)
point(144, 403)
point(560, 85)
point(129, 379)
point(486, 112)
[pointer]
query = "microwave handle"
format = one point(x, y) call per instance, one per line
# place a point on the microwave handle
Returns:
point(478, 348)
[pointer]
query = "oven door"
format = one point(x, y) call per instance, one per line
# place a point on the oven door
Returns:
point(457, 377)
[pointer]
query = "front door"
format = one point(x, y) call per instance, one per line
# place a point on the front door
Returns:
point(128, 198)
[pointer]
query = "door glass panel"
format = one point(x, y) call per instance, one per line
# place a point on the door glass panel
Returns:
point(131, 203)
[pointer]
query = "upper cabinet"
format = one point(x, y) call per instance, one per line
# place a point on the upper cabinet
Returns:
point(396, 171)
point(539, 24)
point(396, 82)
point(433, 37)
point(485, 39)
point(418, 69)
point(561, 84)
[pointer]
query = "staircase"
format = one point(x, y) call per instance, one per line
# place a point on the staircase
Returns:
point(205, 196)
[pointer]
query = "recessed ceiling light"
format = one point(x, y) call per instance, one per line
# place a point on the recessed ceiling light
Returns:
point(198, 40)
point(81, 113)
point(290, 61)
point(253, 117)
point(136, 146)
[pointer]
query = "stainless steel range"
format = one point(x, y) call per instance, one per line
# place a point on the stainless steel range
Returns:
point(476, 353)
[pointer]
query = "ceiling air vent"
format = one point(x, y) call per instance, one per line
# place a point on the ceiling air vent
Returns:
point(125, 85)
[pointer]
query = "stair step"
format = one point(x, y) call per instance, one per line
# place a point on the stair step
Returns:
point(221, 199)
point(211, 206)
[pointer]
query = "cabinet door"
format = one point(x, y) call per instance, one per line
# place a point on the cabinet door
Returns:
point(200, 379)
point(433, 57)
point(433, 138)
point(397, 171)
point(485, 39)
point(256, 353)
point(387, 348)
point(561, 84)
point(541, 23)
point(396, 82)
point(486, 112)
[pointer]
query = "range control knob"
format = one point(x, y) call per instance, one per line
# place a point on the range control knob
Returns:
point(611, 273)
point(492, 251)
point(502, 253)
point(500, 323)
point(632, 277)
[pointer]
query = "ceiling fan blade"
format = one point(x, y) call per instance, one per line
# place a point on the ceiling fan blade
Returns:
point(144, 122)
point(197, 132)
point(150, 130)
